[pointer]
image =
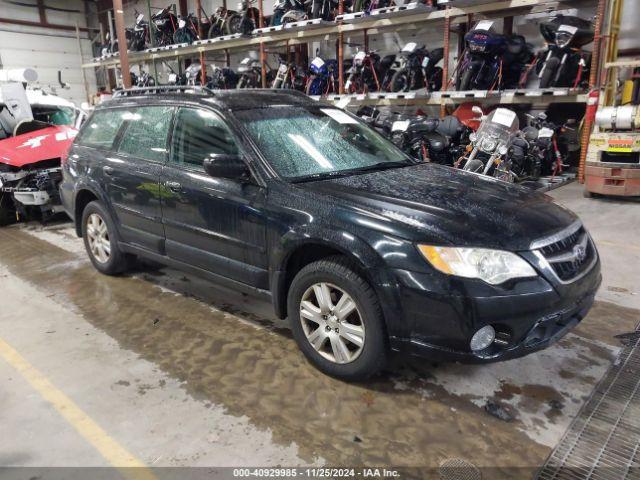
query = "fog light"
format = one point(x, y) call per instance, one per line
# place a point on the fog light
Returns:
point(483, 338)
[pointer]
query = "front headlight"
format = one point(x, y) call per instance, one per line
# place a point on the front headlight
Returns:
point(489, 144)
point(492, 266)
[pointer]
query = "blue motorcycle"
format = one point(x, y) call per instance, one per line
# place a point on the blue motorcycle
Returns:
point(323, 77)
point(492, 60)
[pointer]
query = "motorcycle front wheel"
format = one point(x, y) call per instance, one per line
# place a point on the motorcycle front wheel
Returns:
point(466, 80)
point(550, 70)
point(400, 81)
point(234, 24)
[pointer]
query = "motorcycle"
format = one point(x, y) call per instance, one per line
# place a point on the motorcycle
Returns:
point(492, 60)
point(437, 140)
point(487, 152)
point(289, 76)
point(565, 64)
point(140, 34)
point(547, 142)
point(368, 5)
point(247, 21)
point(323, 77)
point(187, 31)
point(223, 78)
point(165, 23)
point(366, 72)
point(323, 9)
point(219, 22)
point(142, 80)
point(287, 11)
point(414, 68)
point(250, 73)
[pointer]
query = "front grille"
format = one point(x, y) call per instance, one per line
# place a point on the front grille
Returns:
point(571, 255)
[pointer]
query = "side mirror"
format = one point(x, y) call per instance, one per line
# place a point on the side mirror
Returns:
point(226, 166)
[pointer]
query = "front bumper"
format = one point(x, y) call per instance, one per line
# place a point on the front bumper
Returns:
point(441, 314)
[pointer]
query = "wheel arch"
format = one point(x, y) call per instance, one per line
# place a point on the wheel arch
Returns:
point(304, 251)
point(85, 194)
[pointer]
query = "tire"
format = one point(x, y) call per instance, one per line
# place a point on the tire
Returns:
point(115, 261)
point(550, 71)
point(400, 81)
point(7, 210)
point(467, 78)
point(234, 24)
point(366, 323)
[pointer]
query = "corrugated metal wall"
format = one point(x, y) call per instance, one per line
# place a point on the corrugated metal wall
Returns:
point(48, 50)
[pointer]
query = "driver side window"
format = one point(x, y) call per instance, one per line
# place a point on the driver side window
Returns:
point(198, 134)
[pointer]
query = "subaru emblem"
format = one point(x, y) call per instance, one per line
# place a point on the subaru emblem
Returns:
point(580, 252)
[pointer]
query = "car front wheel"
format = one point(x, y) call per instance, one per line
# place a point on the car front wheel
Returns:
point(337, 321)
point(100, 241)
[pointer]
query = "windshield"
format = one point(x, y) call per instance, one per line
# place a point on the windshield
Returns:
point(310, 142)
point(501, 124)
point(54, 115)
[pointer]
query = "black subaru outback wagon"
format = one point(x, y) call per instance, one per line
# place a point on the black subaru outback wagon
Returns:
point(365, 250)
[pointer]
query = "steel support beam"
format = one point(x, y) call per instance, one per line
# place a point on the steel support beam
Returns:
point(118, 13)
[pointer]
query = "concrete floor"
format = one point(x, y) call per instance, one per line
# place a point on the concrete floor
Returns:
point(159, 368)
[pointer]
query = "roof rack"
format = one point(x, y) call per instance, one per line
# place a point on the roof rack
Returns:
point(138, 91)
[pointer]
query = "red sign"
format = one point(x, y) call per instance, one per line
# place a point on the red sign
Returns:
point(44, 144)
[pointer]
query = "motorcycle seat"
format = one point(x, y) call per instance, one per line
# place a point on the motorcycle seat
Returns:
point(449, 126)
point(437, 142)
point(436, 55)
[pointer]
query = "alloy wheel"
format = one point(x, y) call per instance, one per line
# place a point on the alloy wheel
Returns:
point(332, 323)
point(98, 237)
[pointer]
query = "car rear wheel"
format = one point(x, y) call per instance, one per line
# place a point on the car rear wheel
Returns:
point(100, 240)
point(337, 321)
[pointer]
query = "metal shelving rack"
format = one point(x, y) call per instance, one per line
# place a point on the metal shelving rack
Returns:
point(409, 17)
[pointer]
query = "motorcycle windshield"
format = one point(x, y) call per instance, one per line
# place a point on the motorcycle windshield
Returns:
point(501, 125)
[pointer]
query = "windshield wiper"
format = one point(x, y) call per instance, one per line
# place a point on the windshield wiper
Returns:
point(350, 171)
point(379, 166)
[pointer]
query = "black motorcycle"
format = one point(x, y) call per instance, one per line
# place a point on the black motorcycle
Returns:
point(223, 78)
point(287, 11)
point(140, 34)
point(367, 72)
point(437, 140)
point(414, 68)
point(250, 73)
point(165, 24)
point(492, 60)
point(564, 63)
point(247, 20)
point(219, 22)
point(547, 142)
point(142, 80)
point(187, 31)
point(290, 76)
point(323, 9)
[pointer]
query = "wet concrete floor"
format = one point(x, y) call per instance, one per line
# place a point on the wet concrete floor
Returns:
point(250, 387)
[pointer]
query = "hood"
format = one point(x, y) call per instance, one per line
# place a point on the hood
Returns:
point(439, 204)
point(43, 144)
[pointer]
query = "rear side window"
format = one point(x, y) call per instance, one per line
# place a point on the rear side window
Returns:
point(199, 134)
point(146, 133)
point(101, 130)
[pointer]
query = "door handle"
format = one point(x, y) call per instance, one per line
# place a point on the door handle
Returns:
point(107, 170)
point(173, 186)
